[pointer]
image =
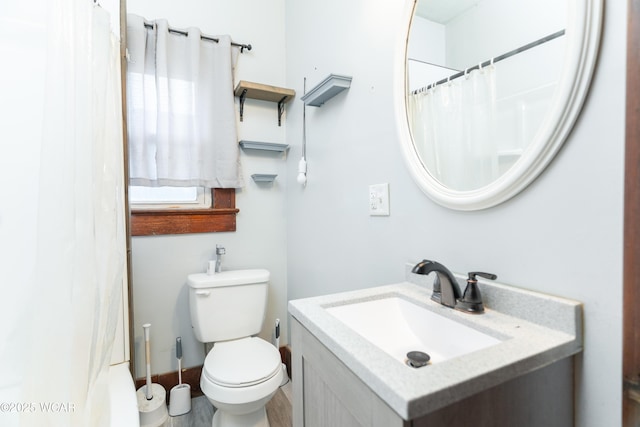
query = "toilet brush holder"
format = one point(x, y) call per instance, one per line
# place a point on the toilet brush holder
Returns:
point(152, 398)
point(180, 395)
point(153, 413)
point(285, 376)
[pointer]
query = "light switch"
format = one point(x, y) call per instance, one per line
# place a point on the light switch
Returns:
point(379, 200)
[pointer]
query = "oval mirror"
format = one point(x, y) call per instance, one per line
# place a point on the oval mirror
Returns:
point(490, 91)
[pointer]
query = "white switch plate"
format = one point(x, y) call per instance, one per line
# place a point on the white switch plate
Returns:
point(379, 200)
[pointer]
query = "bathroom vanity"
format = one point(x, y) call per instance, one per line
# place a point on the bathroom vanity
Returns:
point(510, 366)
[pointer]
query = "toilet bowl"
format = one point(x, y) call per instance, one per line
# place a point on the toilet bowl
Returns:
point(242, 372)
point(239, 377)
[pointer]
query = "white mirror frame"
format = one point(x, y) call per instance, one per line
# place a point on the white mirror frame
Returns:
point(583, 38)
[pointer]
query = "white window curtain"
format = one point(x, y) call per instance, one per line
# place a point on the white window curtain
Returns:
point(180, 101)
point(453, 127)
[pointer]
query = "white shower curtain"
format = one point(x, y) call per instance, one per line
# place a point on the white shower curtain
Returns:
point(181, 118)
point(68, 324)
point(453, 127)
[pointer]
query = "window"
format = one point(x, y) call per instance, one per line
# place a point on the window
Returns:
point(169, 197)
point(171, 137)
point(219, 216)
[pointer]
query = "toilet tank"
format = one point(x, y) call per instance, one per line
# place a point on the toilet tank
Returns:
point(227, 305)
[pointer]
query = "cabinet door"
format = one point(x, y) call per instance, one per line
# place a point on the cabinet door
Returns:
point(326, 393)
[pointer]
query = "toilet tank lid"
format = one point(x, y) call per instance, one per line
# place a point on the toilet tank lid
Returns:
point(228, 278)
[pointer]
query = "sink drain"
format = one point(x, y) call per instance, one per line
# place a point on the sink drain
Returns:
point(417, 359)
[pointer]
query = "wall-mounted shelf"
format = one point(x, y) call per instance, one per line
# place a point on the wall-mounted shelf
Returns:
point(326, 89)
point(263, 177)
point(265, 146)
point(263, 92)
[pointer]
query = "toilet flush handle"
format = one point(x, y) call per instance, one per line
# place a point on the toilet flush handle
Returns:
point(203, 293)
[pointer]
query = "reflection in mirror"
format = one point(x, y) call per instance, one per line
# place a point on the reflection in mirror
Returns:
point(482, 75)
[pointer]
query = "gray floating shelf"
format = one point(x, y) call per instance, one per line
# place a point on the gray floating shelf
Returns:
point(266, 146)
point(263, 177)
point(326, 89)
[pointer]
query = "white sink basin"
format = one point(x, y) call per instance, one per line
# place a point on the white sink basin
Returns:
point(398, 326)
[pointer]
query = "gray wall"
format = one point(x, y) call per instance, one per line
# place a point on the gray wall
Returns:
point(562, 236)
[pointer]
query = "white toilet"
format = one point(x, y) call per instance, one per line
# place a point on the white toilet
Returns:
point(242, 372)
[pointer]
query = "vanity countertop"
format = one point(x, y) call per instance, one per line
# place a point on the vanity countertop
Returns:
point(535, 330)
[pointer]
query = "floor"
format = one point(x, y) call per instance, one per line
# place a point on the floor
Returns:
point(278, 411)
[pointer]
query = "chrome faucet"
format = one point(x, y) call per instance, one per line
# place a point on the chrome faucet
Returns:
point(445, 286)
point(220, 250)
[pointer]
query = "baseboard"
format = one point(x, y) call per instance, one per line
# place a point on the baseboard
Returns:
point(191, 376)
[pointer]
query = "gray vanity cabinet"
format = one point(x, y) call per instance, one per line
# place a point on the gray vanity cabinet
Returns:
point(326, 393)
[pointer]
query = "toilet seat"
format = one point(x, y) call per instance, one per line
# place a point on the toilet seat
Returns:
point(241, 363)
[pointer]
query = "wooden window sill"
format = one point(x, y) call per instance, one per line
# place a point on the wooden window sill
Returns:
point(220, 217)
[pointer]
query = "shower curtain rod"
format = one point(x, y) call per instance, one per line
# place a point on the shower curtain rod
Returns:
point(493, 60)
point(203, 37)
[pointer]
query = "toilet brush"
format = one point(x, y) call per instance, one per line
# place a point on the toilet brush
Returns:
point(180, 396)
point(285, 377)
point(152, 405)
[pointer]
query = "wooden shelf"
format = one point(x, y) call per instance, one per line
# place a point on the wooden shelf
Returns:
point(263, 92)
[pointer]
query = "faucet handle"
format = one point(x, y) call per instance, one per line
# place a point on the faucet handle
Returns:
point(471, 301)
point(473, 274)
